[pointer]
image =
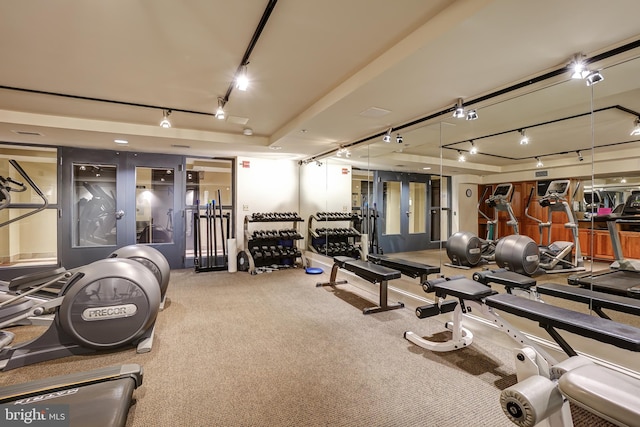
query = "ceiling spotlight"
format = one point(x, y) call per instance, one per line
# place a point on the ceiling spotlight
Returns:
point(247, 131)
point(242, 81)
point(399, 138)
point(472, 115)
point(387, 136)
point(580, 158)
point(165, 123)
point(474, 149)
point(461, 157)
point(539, 164)
point(343, 152)
point(524, 139)
point(636, 129)
point(220, 110)
point(594, 77)
point(458, 111)
point(579, 67)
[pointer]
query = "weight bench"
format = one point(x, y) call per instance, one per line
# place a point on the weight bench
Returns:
point(474, 296)
point(539, 400)
point(467, 292)
point(408, 268)
point(596, 300)
point(369, 271)
point(551, 317)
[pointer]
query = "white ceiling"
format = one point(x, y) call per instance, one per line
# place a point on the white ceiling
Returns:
point(317, 66)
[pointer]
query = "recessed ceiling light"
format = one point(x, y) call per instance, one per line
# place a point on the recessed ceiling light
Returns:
point(426, 169)
point(121, 141)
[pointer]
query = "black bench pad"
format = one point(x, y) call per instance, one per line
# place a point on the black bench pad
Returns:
point(604, 330)
point(369, 271)
point(587, 296)
point(509, 279)
point(406, 267)
point(465, 289)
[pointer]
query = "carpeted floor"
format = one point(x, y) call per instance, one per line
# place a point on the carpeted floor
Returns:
point(274, 350)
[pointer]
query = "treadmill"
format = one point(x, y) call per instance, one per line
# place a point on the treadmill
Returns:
point(98, 398)
point(623, 275)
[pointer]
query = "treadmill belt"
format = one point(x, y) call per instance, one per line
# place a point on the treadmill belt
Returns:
point(615, 281)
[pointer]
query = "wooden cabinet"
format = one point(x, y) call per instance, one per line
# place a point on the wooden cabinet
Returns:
point(602, 248)
point(630, 241)
point(584, 236)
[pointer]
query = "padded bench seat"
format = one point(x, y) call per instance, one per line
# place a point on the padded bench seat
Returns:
point(408, 268)
point(597, 300)
point(465, 289)
point(509, 279)
point(550, 317)
point(369, 271)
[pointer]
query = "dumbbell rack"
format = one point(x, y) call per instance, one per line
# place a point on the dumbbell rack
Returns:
point(337, 241)
point(271, 249)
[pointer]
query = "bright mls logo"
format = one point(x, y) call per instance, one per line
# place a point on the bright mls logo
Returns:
point(35, 415)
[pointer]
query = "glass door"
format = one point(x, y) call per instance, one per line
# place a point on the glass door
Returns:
point(118, 199)
point(402, 208)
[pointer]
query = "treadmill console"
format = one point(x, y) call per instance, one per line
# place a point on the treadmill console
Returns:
point(632, 204)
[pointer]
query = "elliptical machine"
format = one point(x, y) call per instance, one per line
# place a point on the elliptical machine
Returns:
point(465, 249)
point(558, 256)
point(105, 305)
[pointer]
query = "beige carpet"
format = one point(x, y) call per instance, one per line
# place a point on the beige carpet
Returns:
point(274, 350)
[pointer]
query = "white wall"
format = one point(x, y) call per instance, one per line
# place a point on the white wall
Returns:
point(265, 186)
point(465, 209)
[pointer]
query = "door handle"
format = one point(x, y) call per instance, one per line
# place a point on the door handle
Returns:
point(408, 213)
point(119, 214)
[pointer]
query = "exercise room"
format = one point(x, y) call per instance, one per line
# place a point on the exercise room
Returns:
point(336, 213)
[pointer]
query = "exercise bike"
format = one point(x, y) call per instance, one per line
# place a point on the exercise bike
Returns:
point(465, 249)
point(557, 256)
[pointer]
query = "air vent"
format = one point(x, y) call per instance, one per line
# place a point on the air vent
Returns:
point(27, 132)
point(238, 120)
point(180, 146)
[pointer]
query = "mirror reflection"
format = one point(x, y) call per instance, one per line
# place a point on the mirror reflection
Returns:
point(566, 150)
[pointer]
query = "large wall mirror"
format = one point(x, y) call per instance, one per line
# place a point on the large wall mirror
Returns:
point(426, 181)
